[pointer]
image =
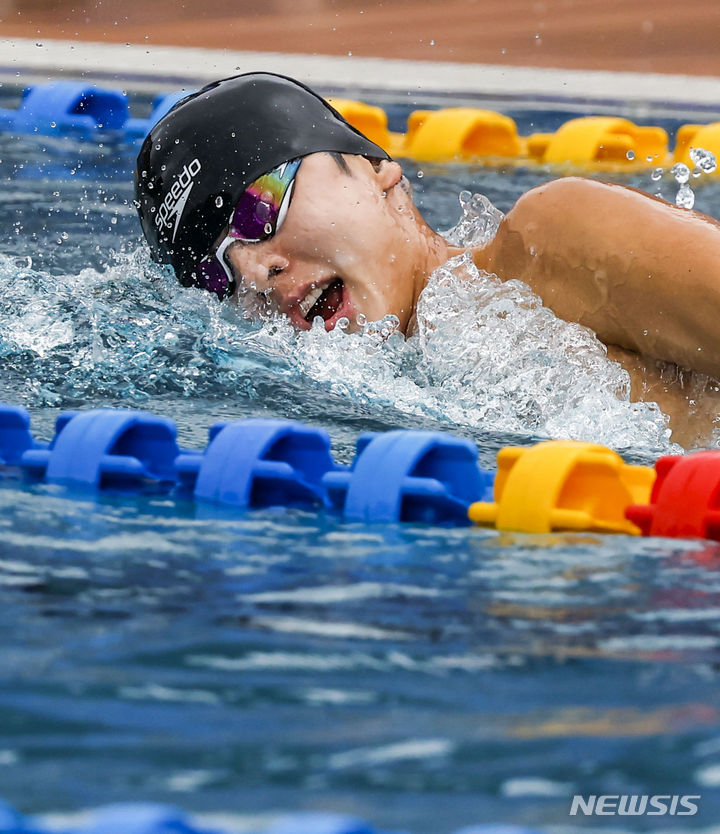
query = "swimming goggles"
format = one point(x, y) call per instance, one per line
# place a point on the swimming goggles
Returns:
point(257, 216)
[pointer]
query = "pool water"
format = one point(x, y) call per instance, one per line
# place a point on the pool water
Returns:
point(421, 678)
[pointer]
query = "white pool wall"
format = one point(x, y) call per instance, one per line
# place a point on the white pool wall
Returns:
point(159, 68)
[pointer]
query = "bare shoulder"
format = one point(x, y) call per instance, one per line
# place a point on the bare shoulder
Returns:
point(578, 199)
point(572, 193)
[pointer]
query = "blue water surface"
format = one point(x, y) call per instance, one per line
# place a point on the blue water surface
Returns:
point(421, 678)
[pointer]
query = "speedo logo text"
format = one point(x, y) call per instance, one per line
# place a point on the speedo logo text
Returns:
point(174, 202)
point(634, 805)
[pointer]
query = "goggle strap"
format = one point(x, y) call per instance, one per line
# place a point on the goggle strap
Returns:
point(284, 206)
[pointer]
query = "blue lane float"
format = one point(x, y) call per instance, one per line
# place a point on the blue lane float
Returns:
point(15, 437)
point(260, 463)
point(107, 449)
point(402, 475)
point(155, 818)
point(85, 111)
point(409, 476)
point(67, 107)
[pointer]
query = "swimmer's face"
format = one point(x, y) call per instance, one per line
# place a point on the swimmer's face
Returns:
point(352, 243)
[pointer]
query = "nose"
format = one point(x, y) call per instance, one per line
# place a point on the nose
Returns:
point(259, 266)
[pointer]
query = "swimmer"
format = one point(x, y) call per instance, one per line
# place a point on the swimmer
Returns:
point(256, 184)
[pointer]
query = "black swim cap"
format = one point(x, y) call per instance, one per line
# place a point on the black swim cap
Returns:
point(200, 157)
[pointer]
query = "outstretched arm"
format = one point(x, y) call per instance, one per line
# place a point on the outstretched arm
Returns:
point(643, 274)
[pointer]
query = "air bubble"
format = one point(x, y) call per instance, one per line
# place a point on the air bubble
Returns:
point(342, 323)
point(656, 174)
point(420, 175)
point(630, 155)
point(268, 228)
point(681, 172)
point(685, 197)
point(704, 159)
point(361, 319)
point(219, 201)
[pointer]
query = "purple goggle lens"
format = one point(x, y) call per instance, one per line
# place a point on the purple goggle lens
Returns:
point(258, 215)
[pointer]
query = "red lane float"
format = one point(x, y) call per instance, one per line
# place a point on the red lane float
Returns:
point(685, 499)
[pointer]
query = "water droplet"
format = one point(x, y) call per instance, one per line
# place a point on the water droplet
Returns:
point(685, 197)
point(151, 185)
point(219, 201)
point(656, 174)
point(158, 146)
point(704, 159)
point(342, 323)
point(432, 43)
point(361, 319)
point(113, 220)
point(268, 228)
point(53, 124)
point(420, 175)
point(681, 172)
point(630, 155)
point(696, 172)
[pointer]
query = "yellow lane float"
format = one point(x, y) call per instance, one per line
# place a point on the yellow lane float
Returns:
point(598, 139)
point(564, 485)
point(706, 137)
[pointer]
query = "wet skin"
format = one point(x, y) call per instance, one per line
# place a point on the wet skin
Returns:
point(360, 227)
point(644, 275)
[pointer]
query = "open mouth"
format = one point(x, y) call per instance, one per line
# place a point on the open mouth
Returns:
point(324, 301)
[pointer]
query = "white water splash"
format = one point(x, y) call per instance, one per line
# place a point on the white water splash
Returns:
point(486, 355)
